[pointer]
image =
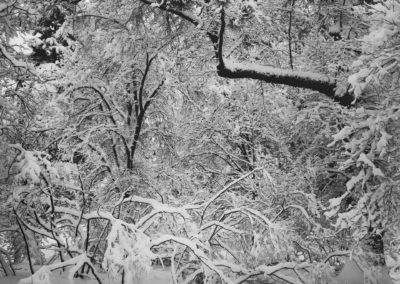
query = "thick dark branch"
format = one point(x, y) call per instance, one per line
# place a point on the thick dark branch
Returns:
point(26, 243)
point(140, 121)
point(143, 81)
point(308, 80)
point(155, 92)
point(221, 41)
point(290, 35)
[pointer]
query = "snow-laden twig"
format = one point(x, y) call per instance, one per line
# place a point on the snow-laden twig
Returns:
point(222, 225)
point(219, 193)
point(302, 210)
point(43, 274)
point(276, 271)
point(91, 215)
point(269, 270)
point(233, 267)
point(259, 216)
point(158, 209)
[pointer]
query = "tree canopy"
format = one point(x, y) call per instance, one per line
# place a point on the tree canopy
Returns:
point(228, 141)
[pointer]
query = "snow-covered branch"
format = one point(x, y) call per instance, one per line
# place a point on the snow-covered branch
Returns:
point(43, 274)
point(5, 6)
point(285, 265)
point(219, 193)
point(17, 63)
point(12, 228)
point(222, 225)
point(196, 251)
point(158, 209)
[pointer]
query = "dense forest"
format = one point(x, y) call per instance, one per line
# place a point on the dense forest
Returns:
point(221, 141)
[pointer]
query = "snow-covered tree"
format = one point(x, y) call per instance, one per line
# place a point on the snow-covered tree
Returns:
point(229, 141)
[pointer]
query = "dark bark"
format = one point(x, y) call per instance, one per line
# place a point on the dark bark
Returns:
point(307, 80)
point(140, 121)
point(26, 243)
point(138, 128)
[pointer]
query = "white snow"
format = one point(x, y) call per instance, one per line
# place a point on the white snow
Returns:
point(22, 42)
point(156, 276)
point(354, 180)
point(343, 133)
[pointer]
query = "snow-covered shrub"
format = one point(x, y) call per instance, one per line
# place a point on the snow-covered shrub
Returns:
point(31, 166)
point(128, 249)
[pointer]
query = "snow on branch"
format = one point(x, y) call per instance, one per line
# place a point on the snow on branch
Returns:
point(233, 267)
point(277, 269)
point(12, 228)
point(285, 265)
point(309, 80)
point(158, 208)
point(43, 274)
point(219, 193)
point(92, 215)
point(184, 15)
point(5, 6)
point(193, 246)
point(222, 225)
point(17, 63)
point(302, 210)
point(34, 229)
point(259, 216)
point(127, 248)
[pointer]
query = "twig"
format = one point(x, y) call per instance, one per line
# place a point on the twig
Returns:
point(207, 204)
point(290, 35)
point(221, 64)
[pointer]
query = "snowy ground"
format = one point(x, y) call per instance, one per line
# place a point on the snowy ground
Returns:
point(157, 276)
